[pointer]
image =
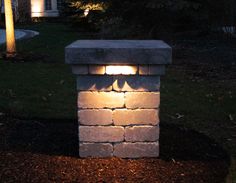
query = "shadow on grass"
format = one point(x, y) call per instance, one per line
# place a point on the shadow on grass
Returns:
point(60, 137)
point(51, 137)
point(179, 143)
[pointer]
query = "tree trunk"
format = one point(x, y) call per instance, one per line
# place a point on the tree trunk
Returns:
point(10, 34)
point(0, 10)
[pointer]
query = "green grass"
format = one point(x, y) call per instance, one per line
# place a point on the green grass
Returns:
point(46, 90)
point(38, 89)
point(206, 106)
point(52, 40)
point(206, 103)
point(35, 90)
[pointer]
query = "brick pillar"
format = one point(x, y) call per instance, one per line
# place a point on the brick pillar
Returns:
point(118, 110)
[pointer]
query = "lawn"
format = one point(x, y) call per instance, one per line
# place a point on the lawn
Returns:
point(43, 86)
point(194, 95)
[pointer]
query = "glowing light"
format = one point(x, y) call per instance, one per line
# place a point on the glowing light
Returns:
point(123, 70)
point(10, 34)
point(86, 12)
point(37, 8)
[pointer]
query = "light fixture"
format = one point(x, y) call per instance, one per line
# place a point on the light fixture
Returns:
point(86, 12)
point(123, 70)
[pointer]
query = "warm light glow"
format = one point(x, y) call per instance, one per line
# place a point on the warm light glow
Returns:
point(124, 70)
point(37, 8)
point(10, 34)
point(86, 12)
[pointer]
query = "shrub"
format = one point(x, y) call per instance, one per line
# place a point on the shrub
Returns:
point(132, 17)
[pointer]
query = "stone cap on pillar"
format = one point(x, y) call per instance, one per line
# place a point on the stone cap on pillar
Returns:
point(118, 52)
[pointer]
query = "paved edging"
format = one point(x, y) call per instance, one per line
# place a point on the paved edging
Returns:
point(19, 34)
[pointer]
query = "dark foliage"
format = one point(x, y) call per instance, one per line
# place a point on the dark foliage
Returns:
point(132, 17)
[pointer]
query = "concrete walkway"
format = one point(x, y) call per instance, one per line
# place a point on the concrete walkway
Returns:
point(19, 34)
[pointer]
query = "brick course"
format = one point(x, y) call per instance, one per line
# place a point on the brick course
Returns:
point(136, 83)
point(99, 100)
point(136, 150)
point(95, 150)
point(124, 117)
point(101, 134)
point(95, 117)
point(146, 100)
point(97, 69)
point(80, 69)
point(143, 70)
point(142, 134)
point(157, 70)
point(94, 83)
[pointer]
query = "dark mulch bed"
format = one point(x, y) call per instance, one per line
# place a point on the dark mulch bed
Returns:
point(46, 151)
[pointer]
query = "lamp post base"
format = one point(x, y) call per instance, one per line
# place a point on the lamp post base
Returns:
point(10, 54)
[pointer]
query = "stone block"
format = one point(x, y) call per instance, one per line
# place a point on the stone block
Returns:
point(101, 134)
point(130, 52)
point(80, 69)
point(136, 150)
point(124, 117)
point(142, 134)
point(97, 70)
point(95, 117)
point(99, 100)
point(157, 70)
point(136, 83)
point(95, 150)
point(148, 100)
point(94, 83)
point(143, 70)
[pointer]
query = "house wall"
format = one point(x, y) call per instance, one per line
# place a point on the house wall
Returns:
point(38, 9)
point(24, 10)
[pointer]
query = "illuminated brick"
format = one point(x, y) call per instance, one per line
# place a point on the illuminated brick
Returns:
point(142, 134)
point(136, 150)
point(124, 117)
point(101, 134)
point(95, 117)
point(97, 69)
point(142, 100)
point(143, 70)
point(100, 100)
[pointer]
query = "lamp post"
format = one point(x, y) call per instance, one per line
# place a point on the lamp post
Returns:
point(10, 34)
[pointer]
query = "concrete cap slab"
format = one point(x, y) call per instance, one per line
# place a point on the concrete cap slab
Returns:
point(106, 52)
